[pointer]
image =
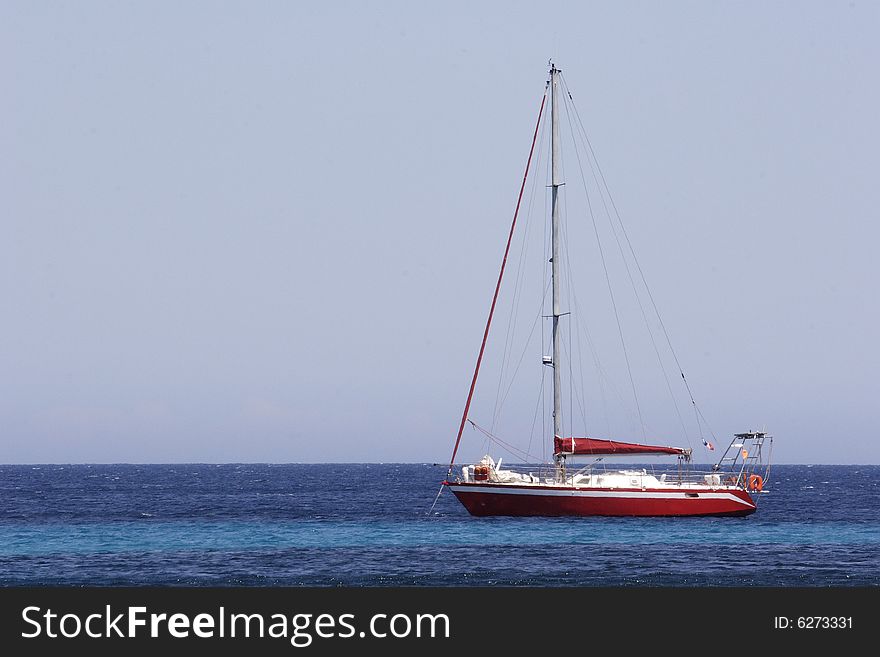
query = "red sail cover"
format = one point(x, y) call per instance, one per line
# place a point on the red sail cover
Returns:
point(599, 446)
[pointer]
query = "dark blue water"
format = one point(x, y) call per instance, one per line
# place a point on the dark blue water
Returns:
point(356, 525)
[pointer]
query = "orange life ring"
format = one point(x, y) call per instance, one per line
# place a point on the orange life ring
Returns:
point(481, 473)
point(756, 482)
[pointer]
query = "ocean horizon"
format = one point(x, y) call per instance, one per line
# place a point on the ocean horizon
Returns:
point(368, 524)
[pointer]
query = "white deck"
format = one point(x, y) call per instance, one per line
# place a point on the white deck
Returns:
point(641, 479)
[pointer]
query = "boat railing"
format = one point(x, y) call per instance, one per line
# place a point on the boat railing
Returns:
point(744, 477)
point(671, 475)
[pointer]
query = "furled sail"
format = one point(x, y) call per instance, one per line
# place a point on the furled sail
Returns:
point(600, 447)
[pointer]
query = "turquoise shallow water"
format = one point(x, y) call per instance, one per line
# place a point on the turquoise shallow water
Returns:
point(368, 525)
point(133, 536)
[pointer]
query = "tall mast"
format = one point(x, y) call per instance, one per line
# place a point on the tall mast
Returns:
point(555, 261)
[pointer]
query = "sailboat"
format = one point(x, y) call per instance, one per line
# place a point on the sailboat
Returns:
point(730, 487)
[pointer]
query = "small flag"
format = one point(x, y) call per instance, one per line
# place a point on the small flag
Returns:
point(708, 445)
point(745, 453)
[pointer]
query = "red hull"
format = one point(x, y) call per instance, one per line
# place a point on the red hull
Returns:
point(512, 500)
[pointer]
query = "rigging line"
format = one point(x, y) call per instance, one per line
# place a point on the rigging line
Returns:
point(545, 285)
point(563, 224)
point(537, 409)
point(571, 394)
point(516, 454)
point(491, 439)
point(632, 283)
point(522, 355)
point(599, 367)
point(697, 412)
point(568, 351)
point(580, 361)
point(543, 400)
point(573, 296)
point(561, 201)
point(633, 417)
point(653, 341)
point(580, 326)
point(603, 375)
point(515, 451)
point(470, 396)
point(486, 445)
point(580, 399)
point(611, 295)
point(634, 288)
point(515, 302)
point(510, 332)
point(706, 422)
point(431, 510)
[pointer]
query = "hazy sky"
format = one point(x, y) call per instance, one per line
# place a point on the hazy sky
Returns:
point(269, 231)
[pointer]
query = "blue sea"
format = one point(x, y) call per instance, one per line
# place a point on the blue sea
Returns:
point(368, 525)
